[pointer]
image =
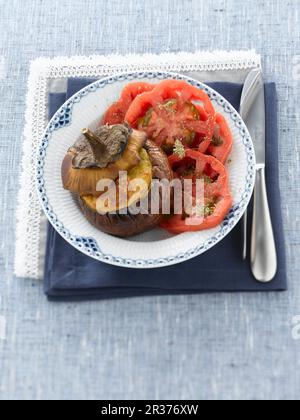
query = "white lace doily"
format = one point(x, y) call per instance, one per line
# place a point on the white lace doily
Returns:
point(30, 246)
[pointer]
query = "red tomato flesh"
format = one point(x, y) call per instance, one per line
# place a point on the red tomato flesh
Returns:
point(174, 110)
point(217, 197)
point(116, 112)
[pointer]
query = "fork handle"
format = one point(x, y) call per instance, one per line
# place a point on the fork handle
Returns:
point(263, 250)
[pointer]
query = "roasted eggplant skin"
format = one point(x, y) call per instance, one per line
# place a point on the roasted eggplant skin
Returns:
point(129, 225)
point(84, 181)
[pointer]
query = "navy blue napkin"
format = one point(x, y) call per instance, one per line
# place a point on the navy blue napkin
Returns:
point(71, 275)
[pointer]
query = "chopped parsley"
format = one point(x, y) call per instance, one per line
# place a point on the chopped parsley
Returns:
point(170, 106)
point(179, 149)
point(208, 209)
point(207, 179)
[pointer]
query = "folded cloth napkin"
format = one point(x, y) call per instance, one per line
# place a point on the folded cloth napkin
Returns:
point(71, 275)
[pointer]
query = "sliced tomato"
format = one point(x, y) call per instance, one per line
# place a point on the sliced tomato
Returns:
point(221, 143)
point(170, 121)
point(116, 112)
point(217, 196)
point(174, 110)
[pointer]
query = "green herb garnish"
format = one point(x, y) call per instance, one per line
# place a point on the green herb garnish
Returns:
point(207, 179)
point(208, 209)
point(179, 149)
point(170, 106)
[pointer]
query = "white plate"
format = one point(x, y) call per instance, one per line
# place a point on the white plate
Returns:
point(152, 249)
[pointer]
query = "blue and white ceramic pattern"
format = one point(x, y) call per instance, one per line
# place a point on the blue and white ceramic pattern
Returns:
point(155, 248)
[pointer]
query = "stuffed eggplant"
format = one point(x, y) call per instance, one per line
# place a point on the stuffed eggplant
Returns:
point(103, 155)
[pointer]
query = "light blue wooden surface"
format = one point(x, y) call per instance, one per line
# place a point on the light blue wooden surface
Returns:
point(210, 346)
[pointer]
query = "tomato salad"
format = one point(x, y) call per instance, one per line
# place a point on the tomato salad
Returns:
point(182, 121)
